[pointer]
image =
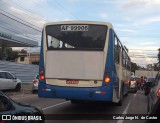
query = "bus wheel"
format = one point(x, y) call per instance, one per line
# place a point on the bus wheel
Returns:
point(75, 101)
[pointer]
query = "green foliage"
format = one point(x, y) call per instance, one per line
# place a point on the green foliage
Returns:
point(134, 67)
point(158, 55)
point(10, 54)
point(23, 51)
point(152, 67)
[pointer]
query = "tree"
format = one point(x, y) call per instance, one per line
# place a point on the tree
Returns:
point(158, 55)
point(134, 67)
point(149, 66)
point(156, 66)
point(153, 66)
point(23, 51)
point(10, 54)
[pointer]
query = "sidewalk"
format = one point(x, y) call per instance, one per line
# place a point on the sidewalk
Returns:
point(26, 87)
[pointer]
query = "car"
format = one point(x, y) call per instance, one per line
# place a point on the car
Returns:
point(138, 80)
point(148, 84)
point(9, 81)
point(154, 96)
point(133, 84)
point(13, 110)
point(35, 84)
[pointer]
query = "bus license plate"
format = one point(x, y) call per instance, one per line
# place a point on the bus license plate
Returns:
point(72, 82)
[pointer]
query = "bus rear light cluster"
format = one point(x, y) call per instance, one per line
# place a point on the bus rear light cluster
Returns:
point(107, 78)
point(158, 92)
point(41, 77)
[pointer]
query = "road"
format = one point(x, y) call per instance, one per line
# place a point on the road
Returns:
point(134, 103)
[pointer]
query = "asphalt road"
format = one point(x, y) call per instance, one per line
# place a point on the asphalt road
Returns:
point(134, 103)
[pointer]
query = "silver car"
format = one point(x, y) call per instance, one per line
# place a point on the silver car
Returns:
point(9, 81)
point(154, 96)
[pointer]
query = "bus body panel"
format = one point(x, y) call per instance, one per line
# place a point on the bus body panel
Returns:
point(74, 83)
point(82, 65)
point(101, 92)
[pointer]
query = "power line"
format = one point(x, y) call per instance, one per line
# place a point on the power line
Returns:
point(140, 36)
point(143, 57)
point(64, 9)
point(142, 50)
point(15, 31)
point(20, 22)
point(22, 8)
point(18, 18)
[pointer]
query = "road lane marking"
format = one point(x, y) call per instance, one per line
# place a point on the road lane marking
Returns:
point(126, 109)
point(52, 106)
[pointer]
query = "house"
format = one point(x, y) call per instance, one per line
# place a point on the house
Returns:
point(28, 58)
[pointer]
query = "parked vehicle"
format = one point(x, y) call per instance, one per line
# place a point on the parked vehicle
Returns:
point(10, 107)
point(138, 80)
point(148, 85)
point(35, 84)
point(9, 81)
point(133, 84)
point(154, 96)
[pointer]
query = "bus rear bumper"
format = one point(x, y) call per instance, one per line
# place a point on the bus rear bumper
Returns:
point(103, 93)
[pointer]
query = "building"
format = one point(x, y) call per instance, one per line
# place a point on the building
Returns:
point(28, 58)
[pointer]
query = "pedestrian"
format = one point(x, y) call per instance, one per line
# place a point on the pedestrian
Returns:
point(142, 83)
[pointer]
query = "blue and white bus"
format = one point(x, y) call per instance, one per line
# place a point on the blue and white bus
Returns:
point(83, 61)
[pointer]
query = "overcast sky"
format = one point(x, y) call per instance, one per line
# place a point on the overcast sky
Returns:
point(137, 22)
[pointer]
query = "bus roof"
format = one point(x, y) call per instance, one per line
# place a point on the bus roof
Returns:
point(79, 22)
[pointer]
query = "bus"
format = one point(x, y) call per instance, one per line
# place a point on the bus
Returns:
point(83, 61)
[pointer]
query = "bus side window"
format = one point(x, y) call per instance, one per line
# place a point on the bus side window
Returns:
point(123, 58)
point(116, 50)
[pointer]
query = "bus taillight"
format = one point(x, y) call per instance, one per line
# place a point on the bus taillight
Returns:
point(41, 77)
point(158, 92)
point(107, 79)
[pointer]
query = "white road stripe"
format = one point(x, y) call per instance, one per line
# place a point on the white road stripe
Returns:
point(52, 106)
point(126, 109)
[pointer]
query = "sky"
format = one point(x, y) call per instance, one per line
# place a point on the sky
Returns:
point(136, 22)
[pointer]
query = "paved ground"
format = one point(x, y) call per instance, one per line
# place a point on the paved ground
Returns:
point(59, 108)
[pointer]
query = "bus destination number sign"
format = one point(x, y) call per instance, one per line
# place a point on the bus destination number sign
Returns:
point(74, 28)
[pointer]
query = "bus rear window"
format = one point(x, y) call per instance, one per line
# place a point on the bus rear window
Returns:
point(76, 37)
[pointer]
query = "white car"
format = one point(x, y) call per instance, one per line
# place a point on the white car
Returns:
point(133, 84)
point(35, 84)
point(9, 81)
